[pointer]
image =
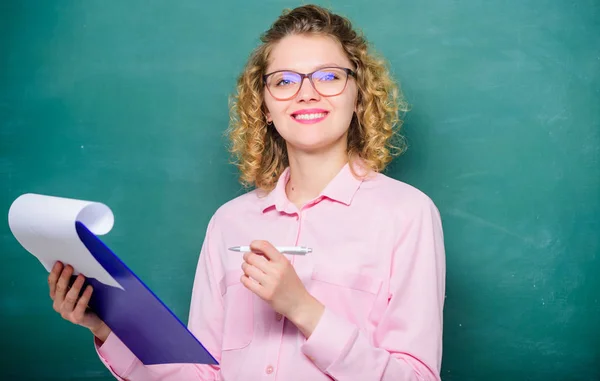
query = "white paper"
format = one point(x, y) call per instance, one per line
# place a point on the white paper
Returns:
point(45, 226)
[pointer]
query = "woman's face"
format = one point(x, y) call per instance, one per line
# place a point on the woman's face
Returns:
point(310, 122)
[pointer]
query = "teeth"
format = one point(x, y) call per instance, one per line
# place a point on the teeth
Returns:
point(310, 116)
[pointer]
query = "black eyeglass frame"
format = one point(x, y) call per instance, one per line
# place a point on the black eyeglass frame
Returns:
point(349, 73)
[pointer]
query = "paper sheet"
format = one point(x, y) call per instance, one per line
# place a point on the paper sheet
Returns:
point(45, 226)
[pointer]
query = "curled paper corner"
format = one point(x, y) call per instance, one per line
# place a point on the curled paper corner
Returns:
point(97, 217)
point(45, 226)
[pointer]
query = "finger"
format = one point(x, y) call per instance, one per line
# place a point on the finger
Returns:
point(267, 249)
point(82, 305)
point(53, 278)
point(259, 261)
point(251, 285)
point(254, 273)
point(63, 284)
point(73, 294)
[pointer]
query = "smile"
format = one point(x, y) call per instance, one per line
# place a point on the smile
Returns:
point(309, 118)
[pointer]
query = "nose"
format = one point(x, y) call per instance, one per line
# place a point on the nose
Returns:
point(307, 92)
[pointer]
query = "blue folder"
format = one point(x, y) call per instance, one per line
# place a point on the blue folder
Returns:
point(136, 315)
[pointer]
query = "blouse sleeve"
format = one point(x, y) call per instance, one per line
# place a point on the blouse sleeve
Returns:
point(205, 322)
point(407, 344)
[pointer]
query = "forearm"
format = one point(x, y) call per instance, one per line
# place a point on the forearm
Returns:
point(101, 333)
point(341, 350)
point(123, 364)
point(306, 315)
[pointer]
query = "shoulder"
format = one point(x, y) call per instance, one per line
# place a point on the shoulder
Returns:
point(408, 211)
point(241, 206)
point(396, 195)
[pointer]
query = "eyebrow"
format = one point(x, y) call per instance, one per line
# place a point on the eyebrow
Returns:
point(319, 67)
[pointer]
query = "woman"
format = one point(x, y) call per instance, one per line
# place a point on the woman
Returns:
point(312, 129)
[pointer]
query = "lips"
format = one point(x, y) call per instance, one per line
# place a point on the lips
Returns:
point(309, 115)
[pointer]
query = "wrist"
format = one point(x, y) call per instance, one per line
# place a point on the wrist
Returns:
point(306, 315)
point(101, 332)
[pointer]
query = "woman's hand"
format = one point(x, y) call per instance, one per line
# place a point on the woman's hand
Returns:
point(71, 304)
point(271, 276)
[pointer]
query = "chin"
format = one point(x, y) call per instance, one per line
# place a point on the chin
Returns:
point(313, 145)
point(313, 140)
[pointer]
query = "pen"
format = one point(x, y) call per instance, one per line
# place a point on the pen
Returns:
point(298, 250)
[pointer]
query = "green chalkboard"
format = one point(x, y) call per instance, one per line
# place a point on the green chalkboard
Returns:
point(126, 103)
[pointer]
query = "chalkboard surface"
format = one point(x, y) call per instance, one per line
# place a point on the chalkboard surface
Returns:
point(126, 103)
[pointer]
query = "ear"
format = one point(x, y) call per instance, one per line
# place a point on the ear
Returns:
point(267, 114)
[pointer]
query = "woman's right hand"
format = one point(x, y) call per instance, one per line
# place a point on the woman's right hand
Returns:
point(71, 304)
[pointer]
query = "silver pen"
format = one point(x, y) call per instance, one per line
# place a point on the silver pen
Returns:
point(297, 250)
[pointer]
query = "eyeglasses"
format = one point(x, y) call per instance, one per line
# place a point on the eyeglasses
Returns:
point(285, 84)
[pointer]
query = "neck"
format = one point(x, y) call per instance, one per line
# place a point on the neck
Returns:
point(311, 172)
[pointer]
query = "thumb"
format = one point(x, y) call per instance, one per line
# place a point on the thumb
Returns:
point(267, 249)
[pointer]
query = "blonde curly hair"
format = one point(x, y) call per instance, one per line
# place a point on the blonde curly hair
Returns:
point(260, 152)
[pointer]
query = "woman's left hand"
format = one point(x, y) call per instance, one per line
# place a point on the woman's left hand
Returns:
point(271, 276)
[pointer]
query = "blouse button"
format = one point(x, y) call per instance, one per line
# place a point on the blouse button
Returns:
point(278, 316)
point(269, 369)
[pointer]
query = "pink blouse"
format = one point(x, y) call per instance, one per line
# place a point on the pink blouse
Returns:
point(378, 266)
